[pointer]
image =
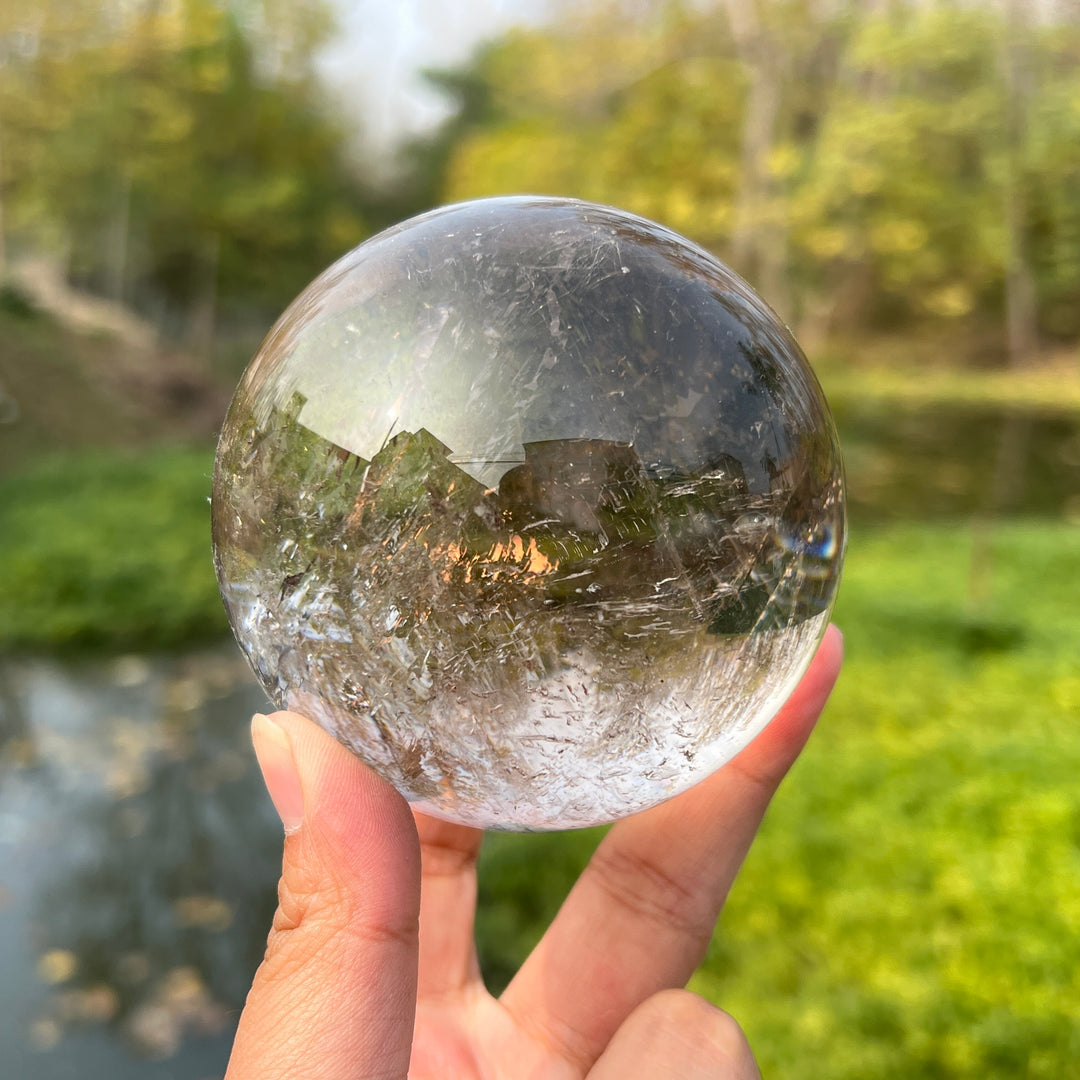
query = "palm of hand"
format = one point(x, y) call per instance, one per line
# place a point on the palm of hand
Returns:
point(638, 921)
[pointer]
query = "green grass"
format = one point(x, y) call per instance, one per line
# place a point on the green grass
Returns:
point(107, 550)
point(913, 905)
point(933, 366)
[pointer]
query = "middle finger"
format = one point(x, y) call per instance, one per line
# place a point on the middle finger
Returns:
point(448, 854)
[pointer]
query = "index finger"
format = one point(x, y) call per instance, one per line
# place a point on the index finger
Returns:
point(641, 915)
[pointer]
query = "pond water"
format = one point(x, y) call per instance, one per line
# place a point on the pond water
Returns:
point(139, 857)
point(915, 463)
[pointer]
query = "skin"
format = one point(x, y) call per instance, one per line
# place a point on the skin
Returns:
point(371, 970)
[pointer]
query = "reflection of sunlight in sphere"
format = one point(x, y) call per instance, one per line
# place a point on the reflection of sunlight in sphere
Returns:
point(535, 506)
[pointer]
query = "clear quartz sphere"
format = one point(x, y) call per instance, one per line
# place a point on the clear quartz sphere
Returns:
point(535, 506)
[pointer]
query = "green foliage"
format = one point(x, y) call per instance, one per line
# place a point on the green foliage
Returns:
point(108, 550)
point(178, 153)
point(863, 160)
point(648, 132)
point(523, 880)
point(911, 907)
point(13, 305)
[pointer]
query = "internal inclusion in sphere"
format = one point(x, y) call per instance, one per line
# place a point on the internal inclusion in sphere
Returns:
point(535, 506)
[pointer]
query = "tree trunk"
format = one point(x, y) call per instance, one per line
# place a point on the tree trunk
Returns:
point(202, 324)
point(759, 247)
point(845, 289)
point(116, 268)
point(1021, 314)
point(3, 245)
point(1020, 300)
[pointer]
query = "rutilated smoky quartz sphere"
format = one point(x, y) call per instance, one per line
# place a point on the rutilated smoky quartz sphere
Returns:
point(535, 506)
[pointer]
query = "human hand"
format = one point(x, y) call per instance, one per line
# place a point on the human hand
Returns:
point(371, 969)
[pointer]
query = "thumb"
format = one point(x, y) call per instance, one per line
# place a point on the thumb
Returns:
point(336, 992)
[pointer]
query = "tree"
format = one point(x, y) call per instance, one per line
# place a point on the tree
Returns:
point(612, 108)
point(851, 157)
point(181, 153)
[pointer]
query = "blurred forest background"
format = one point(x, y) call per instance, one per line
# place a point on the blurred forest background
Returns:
point(900, 179)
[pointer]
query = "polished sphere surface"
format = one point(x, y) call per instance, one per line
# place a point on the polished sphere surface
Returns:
point(533, 504)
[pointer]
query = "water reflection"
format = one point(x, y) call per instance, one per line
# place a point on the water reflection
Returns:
point(138, 860)
point(909, 463)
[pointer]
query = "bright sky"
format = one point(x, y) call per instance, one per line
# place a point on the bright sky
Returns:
point(384, 43)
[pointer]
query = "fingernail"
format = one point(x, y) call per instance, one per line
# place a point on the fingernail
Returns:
point(274, 751)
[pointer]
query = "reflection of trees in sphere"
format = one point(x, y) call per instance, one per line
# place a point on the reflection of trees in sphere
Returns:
point(535, 506)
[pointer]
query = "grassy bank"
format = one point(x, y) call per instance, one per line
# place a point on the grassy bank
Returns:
point(108, 550)
point(64, 392)
point(907, 370)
